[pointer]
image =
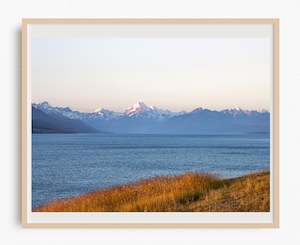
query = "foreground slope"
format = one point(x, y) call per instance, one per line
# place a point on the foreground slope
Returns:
point(188, 192)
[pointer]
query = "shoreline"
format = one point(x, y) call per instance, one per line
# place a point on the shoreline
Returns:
point(189, 192)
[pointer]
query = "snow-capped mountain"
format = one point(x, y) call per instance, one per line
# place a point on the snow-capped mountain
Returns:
point(72, 114)
point(43, 122)
point(137, 108)
point(140, 109)
point(238, 111)
point(106, 114)
point(64, 111)
point(140, 118)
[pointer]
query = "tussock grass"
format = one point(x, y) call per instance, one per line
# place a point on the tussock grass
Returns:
point(250, 193)
point(187, 192)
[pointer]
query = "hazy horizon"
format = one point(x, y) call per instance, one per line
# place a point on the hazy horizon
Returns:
point(218, 68)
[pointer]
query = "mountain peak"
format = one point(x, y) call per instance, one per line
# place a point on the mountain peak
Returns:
point(197, 110)
point(106, 114)
point(238, 109)
point(45, 103)
point(138, 107)
point(99, 109)
point(139, 104)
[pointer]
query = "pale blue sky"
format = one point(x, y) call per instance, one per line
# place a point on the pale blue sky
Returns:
point(86, 71)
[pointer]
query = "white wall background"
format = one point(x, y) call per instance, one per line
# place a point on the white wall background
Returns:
point(11, 13)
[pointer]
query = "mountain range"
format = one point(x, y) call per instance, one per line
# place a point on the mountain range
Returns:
point(43, 122)
point(143, 119)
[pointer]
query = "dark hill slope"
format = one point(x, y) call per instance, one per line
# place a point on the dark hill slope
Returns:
point(46, 123)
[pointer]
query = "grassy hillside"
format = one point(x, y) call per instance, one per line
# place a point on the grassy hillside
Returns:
point(187, 192)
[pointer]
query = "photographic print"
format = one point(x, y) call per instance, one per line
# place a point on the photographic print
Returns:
point(150, 123)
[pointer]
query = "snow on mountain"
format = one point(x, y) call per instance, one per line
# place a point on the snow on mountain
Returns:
point(64, 111)
point(232, 112)
point(72, 114)
point(106, 114)
point(140, 109)
point(137, 110)
point(140, 118)
point(238, 111)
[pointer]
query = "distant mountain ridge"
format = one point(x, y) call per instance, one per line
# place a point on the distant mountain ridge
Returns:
point(143, 119)
point(56, 123)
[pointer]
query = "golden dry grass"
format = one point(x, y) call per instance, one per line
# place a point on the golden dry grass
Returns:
point(185, 193)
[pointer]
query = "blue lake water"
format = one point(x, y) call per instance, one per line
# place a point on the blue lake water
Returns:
point(65, 165)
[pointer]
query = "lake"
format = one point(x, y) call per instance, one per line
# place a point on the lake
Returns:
point(65, 165)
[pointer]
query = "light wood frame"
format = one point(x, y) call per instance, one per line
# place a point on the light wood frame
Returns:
point(275, 170)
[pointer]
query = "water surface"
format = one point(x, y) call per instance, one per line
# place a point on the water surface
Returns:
point(65, 165)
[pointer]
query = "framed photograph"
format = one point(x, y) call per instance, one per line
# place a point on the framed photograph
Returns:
point(150, 123)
